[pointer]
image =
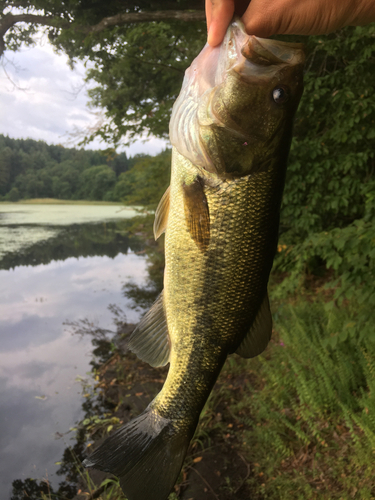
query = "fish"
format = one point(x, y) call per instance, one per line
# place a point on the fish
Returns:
point(231, 130)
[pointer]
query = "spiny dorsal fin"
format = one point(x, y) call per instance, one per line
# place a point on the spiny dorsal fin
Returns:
point(161, 215)
point(259, 335)
point(150, 339)
point(196, 213)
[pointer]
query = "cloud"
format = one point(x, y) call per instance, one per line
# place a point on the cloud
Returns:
point(43, 99)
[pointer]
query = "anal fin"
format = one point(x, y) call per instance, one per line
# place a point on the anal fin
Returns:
point(150, 339)
point(257, 338)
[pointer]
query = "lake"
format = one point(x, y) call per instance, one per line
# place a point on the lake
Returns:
point(59, 264)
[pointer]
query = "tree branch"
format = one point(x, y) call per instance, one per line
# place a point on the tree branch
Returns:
point(10, 20)
point(153, 63)
point(144, 17)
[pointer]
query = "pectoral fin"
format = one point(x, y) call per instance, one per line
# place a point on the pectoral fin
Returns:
point(196, 213)
point(257, 338)
point(161, 215)
point(150, 339)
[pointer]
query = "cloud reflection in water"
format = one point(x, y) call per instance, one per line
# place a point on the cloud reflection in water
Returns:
point(39, 357)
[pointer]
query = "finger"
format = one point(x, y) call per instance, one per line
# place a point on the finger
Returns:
point(260, 20)
point(221, 12)
point(208, 5)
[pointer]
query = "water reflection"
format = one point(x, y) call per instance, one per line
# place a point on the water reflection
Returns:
point(23, 226)
point(70, 464)
point(78, 240)
point(143, 296)
point(85, 278)
point(40, 359)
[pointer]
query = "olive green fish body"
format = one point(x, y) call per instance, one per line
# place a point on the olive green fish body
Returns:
point(212, 297)
point(230, 129)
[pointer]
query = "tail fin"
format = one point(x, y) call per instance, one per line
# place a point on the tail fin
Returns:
point(146, 454)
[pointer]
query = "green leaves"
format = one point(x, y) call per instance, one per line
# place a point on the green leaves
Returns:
point(139, 80)
point(331, 157)
point(31, 169)
point(135, 69)
point(328, 212)
point(145, 183)
point(350, 253)
point(310, 400)
point(96, 182)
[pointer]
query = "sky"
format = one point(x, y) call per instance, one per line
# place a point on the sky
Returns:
point(41, 98)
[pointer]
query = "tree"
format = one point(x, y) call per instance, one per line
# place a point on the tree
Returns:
point(328, 210)
point(29, 185)
point(36, 169)
point(69, 173)
point(94, 182)
point(144, 184)
point(138, 52)
point(14, 194)
point(61, 189)
point(119, 163)
point(5, 170)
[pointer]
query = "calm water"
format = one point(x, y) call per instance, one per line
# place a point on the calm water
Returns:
point(58, 264)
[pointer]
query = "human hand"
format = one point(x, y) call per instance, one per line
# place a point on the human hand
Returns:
point(265, 18)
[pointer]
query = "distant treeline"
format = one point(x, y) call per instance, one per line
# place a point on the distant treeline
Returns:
point(34, 169)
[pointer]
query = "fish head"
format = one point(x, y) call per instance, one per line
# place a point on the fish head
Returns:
point(238, 104)
point(254, 107)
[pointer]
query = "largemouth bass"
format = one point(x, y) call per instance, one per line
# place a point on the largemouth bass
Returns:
point(231, 130)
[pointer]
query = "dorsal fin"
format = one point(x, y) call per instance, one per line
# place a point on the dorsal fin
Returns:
point(161, 215)
point(257, 338)
point(150, 339)
point(196, 213)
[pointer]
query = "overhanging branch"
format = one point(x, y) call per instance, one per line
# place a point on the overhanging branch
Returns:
point(10, 20)
point(144, 17)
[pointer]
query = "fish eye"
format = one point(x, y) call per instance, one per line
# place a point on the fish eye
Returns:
point(280, 95)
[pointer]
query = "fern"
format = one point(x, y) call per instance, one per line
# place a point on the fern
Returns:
point(315, 397)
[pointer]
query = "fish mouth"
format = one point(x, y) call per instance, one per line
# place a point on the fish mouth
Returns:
point(266, 52)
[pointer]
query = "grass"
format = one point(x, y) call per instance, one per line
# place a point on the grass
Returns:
point(310, 411)
point(109, 489)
